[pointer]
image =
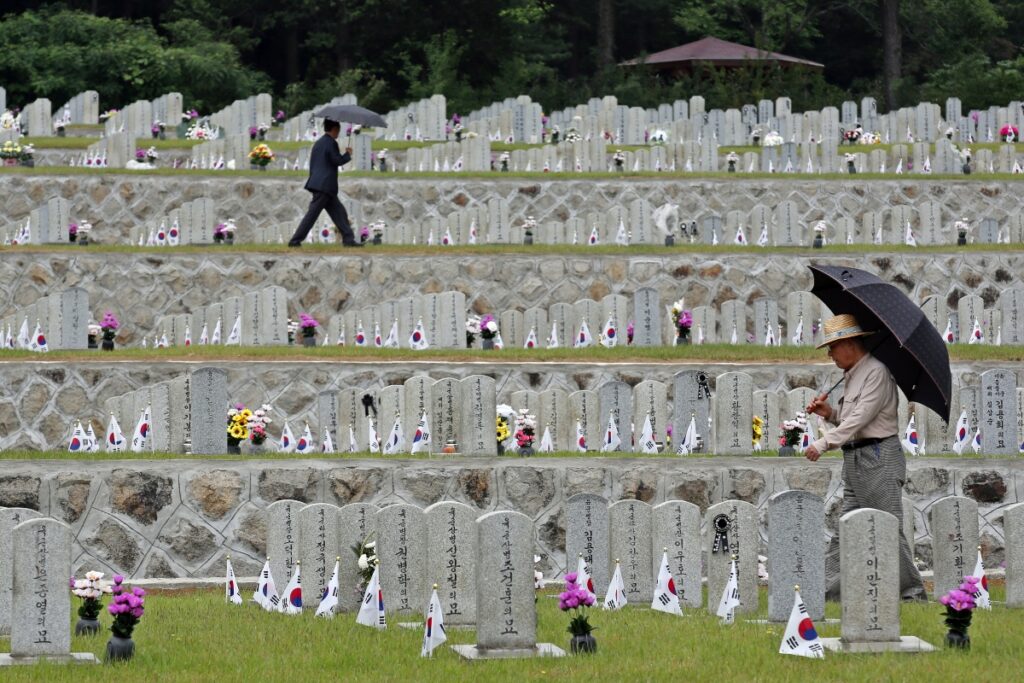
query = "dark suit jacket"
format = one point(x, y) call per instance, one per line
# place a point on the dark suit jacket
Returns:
point(324, 161)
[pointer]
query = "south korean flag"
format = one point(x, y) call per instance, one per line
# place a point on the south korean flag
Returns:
point(801, 639)
point(665, 597)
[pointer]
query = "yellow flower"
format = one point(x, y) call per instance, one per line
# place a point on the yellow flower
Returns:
point(237, 432)
point(245, 414)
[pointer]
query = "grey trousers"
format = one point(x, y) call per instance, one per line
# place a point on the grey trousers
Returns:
point(873, 477)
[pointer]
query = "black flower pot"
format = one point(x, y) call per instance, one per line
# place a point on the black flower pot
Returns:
point(108, 344)
point(487, 344)
point(83, 241)
point(670, 241)
point(961, 239)
point(850, 168)
point(61, 133)
point(819, 242)
point(583, 644)
point(526, 451)
point(786, 451)
point(958, 639)
point(528, 239)
point(234, 448)
point(72, 237)
point(377, 239)
point(91, 341)
point(87, 627)
point(120, 649)
point(309, 340)
point(683, 340)
point(229, 238)
point(732, 166)
point(966, 168)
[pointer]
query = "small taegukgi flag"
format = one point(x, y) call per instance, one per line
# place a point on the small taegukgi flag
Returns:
point(161, 236)
point(371, 611)
point(418, 338)
point(173, 234)
point(948, 335)
point(287, 439)
point(374, 442)
point(962, 434)
point(291, 601)
point(594, 238)
point(612, 442)
point(909, 238)
point(38, 342)
point(446, 239)
point(615, 597)
point(689, 440)
point(24, 341)
point(351, 440)
point(141, 436)
point(762, 241)
point(472, 232)
point(305, 442)
point(621, 236)
point(769, 336)
point(421, 438)
point(266, 592)
point(801, 638)
point(981, 597)
point(325, 234)
point(553, 339)
point(204, 336)
point(583, 577)
point(235, 336)
point(547, 444)
point(392, 341)
point(609, 336)
point(115, 438)
point(798, 335)
point(231, 593)
point(730, 596)
point(910, 441)
point(741, 238)
point(395, 441)
point(976, 336)
point(665, 597)
point(584, 338)
point(976, 442)
point(360, 334)
point(581, 438)
point(378, 340)
point(433, 626)
point(647, 442)
point(531, 339)
point(327, 445)
point(92, 445)
point(329, 600)
point(77, 443)
point(215, 339)
point(188, 335)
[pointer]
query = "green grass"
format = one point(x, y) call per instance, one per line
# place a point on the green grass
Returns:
point(193, 635)
point(703, 353)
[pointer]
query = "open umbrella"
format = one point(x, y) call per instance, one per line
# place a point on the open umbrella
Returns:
point(904, 340)
point(351, 113)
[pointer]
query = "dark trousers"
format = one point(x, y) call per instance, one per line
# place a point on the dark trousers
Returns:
point(324, 201)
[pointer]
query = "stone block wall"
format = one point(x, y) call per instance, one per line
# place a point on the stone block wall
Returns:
point(180, 518)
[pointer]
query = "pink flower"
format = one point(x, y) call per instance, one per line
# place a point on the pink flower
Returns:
point(571, 577)
point(589, 601)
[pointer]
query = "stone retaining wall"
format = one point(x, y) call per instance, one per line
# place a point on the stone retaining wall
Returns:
point(114, 202)
point(39, 399)
point(180, 518)
point(141, 288)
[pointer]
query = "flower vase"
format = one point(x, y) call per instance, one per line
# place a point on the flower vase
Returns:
point(958, 639)
point(786, 451)
point(377, 239)
point(683, 339)
point(234, 448)
point(229, 238)
point(850, 168)
point(262, 135)
point(585, 644)
point(28, 163)
point(87, 627)
point(670, 241)
point(61, 133)
point(257, 448)
point(108, 344)
point(961, 239)
point(526, 451)
point(819, 242)
point(120, 649)
point(91, 341)
point(487, 344)
point(83, 241)
point(163, 135)
point(501, 448)
point(732, 167)
point(72, 237)
point(309, 339)
point(528, 238)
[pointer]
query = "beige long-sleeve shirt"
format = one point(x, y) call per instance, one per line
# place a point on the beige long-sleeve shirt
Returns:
point(868, 407)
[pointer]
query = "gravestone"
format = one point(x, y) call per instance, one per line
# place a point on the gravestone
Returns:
point(476, 415)
point(617, 400)
point(586, 533)
point(998, 413)
point(870, 585)
point(451, 559)
point(796, 553)
point(402, 550)
point(630, 543)
point(327, 413)
point(646, 318)
point(704, 324)
point(934, 308)
point(676, 526)
point(1013, 534)
point(416, 397)
point(969, 308)
point(446, 410)
point(283, 538)
point(554, 415)
point(801, 306)
point(650, 398)
point(318, 533)
point(766, 406)
point(505, 595)
point(691, 398)
point(9, 518)
point(584, 408)
point(988, 231)
point(733, 319)
point(41, 601)
point(766, 313)
point(954, 527)
point(1011, 304)
point(733, 413)
point(731, 529)
point(209, 387)
point(355, 526)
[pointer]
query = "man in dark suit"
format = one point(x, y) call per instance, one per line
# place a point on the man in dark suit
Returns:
point(324, 161)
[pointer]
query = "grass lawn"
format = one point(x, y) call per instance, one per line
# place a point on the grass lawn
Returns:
point(195, 636)
point(702, 353)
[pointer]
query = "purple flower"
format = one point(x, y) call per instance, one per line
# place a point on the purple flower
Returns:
point(137, 612)
point(72, 582)
point(571, 577)
point(279, 116)
point(306, 320)
point(118, 579)
point(73, 229)
point(110, 321)
point(253, 130)
point(685, 319)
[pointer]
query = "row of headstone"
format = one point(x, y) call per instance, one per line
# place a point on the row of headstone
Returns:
point(306, 126)
point(1003, 324)
point(168, 109)
point(195, 222)
point(443, 316)
point(136, 120)
point(114, 150)
point(82, 109)
point(232, 151)
point(37, 118)
point(422, 120)
point(471, 154)
point(46, 224)
point(261, 316)
point(63, 319)
point(241, 115)
point(187, 414)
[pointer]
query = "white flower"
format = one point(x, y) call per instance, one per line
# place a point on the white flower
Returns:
point(773, 139)
point(538, 580)
point(371, 544)
point(491, 326)
point(820, 226)
point(94, 576)
point(364, 563)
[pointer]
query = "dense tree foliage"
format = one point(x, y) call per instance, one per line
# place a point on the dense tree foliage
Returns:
point(559, 51)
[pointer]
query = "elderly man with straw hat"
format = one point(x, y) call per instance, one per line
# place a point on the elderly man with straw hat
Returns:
point(864, 426)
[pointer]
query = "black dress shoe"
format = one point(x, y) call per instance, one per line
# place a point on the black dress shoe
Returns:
point(351, 244)
point(295, 244)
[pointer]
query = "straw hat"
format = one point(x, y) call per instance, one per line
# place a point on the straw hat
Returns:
point(839, 327)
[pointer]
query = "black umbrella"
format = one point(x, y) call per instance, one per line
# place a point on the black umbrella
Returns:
point(351, 113)
point(904, 340)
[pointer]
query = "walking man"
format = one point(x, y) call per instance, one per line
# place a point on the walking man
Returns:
point(324, 160)
point(865, 426)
